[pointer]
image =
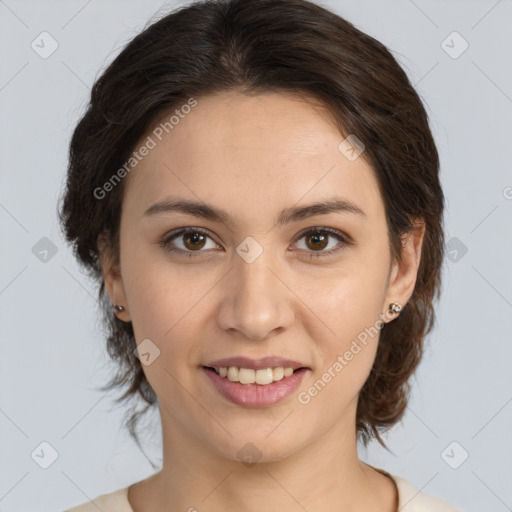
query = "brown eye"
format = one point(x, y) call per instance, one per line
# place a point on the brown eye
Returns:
point(194, 240)
point(188, 241)
point(316, 241)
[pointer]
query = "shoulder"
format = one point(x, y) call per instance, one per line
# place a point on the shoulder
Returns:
point(412, 499)
point(116, 501)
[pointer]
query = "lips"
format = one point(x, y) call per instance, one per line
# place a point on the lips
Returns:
point(255, 382)
point(255, 395)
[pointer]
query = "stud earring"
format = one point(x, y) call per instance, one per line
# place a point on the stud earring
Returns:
point(395, 307)
point(118, 308)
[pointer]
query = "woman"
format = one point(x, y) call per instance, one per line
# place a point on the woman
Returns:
point(255, 187)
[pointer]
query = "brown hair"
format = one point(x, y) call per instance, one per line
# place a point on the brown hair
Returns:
point(292, 46)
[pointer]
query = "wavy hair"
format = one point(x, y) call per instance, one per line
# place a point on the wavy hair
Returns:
point(292, 46)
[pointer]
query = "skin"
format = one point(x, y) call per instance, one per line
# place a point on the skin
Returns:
point(254, 156)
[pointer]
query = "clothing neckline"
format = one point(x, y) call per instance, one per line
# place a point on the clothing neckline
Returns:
point(404, 491)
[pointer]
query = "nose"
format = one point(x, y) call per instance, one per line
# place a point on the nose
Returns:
point(257, 303)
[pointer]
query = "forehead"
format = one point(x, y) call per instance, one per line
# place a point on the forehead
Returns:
point(243, 151)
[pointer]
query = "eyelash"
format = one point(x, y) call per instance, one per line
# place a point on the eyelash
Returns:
point(345, 241)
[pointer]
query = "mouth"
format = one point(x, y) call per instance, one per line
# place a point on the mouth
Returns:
point(263, 385)
point(260, 376)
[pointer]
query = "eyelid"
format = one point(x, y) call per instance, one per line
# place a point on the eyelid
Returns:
point(343, 238)
point(176, 233)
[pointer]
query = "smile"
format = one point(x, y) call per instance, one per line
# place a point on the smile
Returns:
point(250, 387)
point(262, 376)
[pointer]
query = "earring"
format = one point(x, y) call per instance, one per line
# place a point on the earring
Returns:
point(118, 308)
point(395, 307)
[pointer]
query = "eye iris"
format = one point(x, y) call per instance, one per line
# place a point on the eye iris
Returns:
point(194, 238)
point(319, 241)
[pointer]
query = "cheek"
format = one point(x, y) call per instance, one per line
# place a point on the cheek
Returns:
point(163, 311)
point(153, 290)
point(166, 307)
point(346, 301)
point(349, 306)
point(345, 357)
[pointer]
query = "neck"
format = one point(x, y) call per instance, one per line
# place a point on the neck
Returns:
point(324, 476)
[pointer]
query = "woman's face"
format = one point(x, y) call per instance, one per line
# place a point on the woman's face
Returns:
point(253, 282)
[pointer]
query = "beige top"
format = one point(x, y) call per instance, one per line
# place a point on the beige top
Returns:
point(410, 499)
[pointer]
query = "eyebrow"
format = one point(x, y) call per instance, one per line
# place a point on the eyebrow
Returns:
point(288, 215)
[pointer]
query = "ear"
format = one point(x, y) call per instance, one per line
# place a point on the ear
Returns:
point(112, 277)
point(403, 273)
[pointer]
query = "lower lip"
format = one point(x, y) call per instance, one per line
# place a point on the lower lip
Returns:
point(256, 395)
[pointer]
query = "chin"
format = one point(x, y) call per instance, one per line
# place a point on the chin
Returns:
point(256, 448)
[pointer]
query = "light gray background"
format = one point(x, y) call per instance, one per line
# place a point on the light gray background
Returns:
point(52, 349)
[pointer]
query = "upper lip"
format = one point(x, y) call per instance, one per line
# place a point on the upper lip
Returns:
point(255, 364)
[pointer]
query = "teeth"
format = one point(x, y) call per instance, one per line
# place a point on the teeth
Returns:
point(278, 373)
point(246, 376)
point(262, 377)
point(233, 374)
